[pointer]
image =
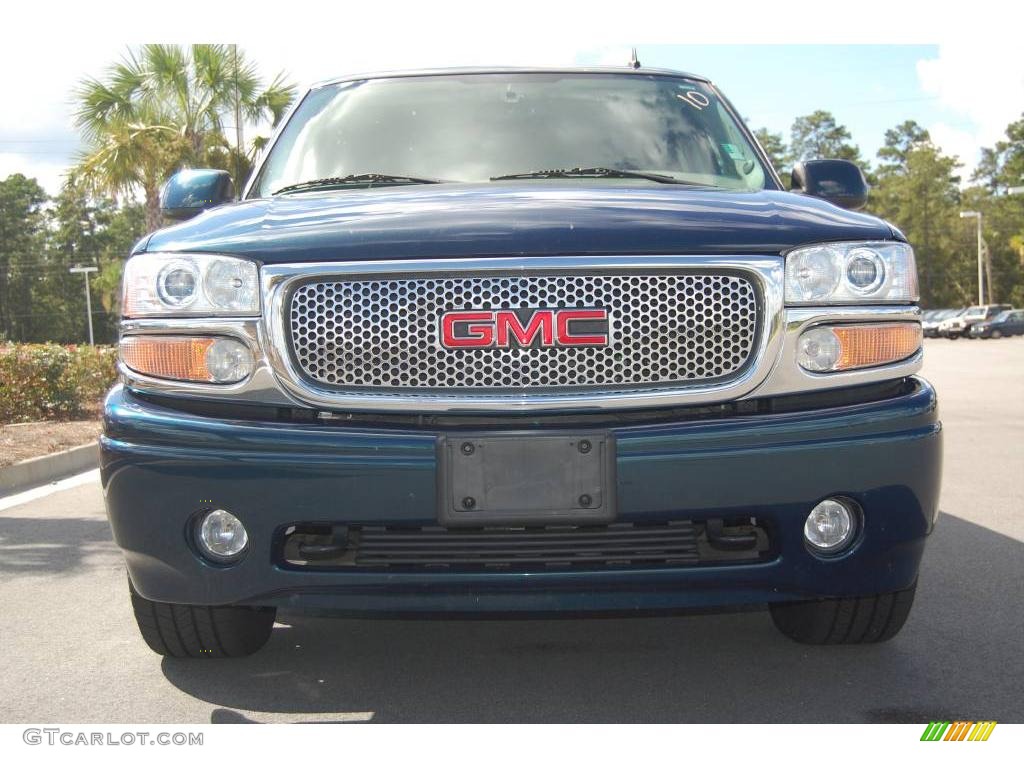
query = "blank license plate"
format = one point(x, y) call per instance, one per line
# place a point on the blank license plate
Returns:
point(526, 478)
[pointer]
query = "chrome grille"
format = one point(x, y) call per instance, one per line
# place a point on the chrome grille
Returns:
point(666, 328)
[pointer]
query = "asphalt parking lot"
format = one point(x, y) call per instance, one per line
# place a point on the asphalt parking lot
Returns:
point(71, 652)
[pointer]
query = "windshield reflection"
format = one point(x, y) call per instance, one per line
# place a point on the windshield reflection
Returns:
point(473, 127)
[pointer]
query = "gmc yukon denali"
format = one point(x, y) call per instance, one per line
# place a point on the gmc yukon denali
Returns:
point(519, 342)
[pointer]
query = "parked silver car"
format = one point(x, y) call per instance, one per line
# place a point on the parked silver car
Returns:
point(960, 325)
point(931, 318)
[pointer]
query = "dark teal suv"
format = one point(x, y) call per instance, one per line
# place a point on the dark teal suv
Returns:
point(505, 342)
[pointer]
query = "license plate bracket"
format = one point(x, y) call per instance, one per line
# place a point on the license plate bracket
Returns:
point(526, 478)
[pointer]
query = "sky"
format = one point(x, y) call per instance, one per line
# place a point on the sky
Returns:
point(965, 93)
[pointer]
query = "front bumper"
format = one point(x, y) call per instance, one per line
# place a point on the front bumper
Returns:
point(160, 466)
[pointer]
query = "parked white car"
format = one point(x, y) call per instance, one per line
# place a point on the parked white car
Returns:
point(960, 325)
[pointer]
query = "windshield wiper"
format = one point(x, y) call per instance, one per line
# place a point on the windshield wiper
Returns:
point(358, 179)
point(593, 173)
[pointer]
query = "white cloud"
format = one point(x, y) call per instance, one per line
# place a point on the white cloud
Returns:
point(961, 142)
point(37, 135)
point(979, 86)
point(980, 83)
point(38, 138)
point(49, 173)
point(615, 57)
point(309, 64)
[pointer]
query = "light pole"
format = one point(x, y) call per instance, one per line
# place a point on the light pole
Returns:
point(88, 300)
point(976, 215)
point(239, 141)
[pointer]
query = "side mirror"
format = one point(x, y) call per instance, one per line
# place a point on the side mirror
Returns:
point(190, 192)
point(838, 181)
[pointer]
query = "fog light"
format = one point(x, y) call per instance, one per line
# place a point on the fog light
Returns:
point(221, 536)
point(830, 527)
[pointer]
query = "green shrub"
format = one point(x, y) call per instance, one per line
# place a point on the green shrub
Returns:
point(53, 381)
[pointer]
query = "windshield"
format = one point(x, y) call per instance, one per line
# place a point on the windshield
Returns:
point(475, 127)
point(1002, 317)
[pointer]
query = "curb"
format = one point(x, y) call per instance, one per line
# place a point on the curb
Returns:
point(47, 469)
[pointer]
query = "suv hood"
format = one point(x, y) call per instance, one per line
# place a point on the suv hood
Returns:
point(534, 218)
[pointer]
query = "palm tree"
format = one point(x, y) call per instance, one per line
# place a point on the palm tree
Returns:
point(126, 157)
point(164, 107)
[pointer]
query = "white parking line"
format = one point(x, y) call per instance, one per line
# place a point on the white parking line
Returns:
point(255, 716)
point(90, 476)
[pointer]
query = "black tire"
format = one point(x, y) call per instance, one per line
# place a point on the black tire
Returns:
point(202, 632)
point(844, 621)
point(997, 334)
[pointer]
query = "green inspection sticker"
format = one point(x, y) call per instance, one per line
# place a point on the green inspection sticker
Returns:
point(733, 151)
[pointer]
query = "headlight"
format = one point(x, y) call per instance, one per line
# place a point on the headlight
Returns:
point(851, 273)
point(165, 284)
point(177, 285)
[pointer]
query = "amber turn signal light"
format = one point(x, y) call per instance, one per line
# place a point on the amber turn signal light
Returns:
point(825, 348)
point(188, 358)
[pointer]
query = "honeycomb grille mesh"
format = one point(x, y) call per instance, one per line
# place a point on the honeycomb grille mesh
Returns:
point(665, 329)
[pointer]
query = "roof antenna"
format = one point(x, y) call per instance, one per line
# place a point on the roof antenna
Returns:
point(634, 62)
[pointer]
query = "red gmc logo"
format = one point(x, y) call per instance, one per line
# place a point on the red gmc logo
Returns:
point(504, 328)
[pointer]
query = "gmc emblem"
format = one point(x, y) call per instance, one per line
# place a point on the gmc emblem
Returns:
point(505, 328)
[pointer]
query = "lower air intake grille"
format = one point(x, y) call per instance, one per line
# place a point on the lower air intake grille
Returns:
point(552, 547)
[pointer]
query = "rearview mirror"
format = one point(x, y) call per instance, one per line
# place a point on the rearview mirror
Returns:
point(838, 181)
point(193, 191)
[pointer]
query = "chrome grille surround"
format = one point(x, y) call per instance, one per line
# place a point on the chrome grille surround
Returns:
point(664, 329)
point(752, 284)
